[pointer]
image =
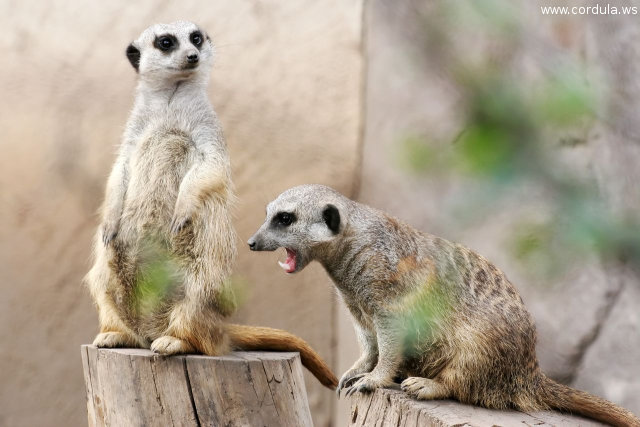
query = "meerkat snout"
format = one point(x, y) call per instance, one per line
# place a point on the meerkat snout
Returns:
point(193, 58)
point(252, 245)
point(261, 242)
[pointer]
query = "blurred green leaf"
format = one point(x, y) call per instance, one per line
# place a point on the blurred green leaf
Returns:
point(424, 311)
point(416, 155)
point(486, 150)
point(157, 275)
point(562, 102)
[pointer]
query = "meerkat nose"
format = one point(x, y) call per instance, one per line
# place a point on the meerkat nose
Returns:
point(192, 58)
point(252, 245)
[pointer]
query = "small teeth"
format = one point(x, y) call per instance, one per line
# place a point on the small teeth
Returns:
point(284, 266)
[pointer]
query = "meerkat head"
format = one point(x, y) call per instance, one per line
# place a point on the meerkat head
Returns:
point(303, 220)
point(171, 51)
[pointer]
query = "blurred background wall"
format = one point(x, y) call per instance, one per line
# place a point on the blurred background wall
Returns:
point(325, 92)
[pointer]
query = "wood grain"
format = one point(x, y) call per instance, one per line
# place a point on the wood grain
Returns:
point(387, 407)
point(135, 387)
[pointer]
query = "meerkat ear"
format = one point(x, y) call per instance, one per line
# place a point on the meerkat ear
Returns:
point(331, 217)
point(133, 54)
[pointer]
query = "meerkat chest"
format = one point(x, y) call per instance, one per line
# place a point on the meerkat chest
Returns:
point(162, 148)
point(160, 159)
point(360, 311)
point(360, 303)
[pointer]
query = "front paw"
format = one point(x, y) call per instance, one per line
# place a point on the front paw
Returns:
point(348, 378)
point(109, 231)
point(114, 340)
point(181, 217)
point(367, 383)
point(169, 345)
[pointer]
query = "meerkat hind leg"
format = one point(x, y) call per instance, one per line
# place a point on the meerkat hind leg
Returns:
point(188, 332)
point(113, 331)
point(114, 339)
point(168, 345)
point(424, 388)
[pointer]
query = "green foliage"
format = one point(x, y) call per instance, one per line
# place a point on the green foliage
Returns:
point(507, 119)
point(157, 276)
point(416, 156)
point(233, 293)
point(563, 101)
point(423, 312)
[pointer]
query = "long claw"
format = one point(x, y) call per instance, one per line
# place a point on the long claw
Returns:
point(352, 388)
point(356, 377)
point(178, 225)
point(347, 392)
point(344, 383)
point(350, 391)
point(109, 232)
point(107, 238)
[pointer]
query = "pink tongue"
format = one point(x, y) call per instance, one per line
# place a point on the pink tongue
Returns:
point(290, 263)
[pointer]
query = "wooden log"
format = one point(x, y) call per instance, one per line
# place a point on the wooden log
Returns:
point(394, 408)
point(135, 387)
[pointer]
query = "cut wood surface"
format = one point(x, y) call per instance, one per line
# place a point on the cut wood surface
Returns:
point(135, 387)
point(387, 407)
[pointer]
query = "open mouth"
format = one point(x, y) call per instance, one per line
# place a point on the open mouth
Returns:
point(289, 265)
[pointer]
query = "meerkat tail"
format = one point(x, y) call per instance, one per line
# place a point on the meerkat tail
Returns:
point(567, 399)
point(263, 338)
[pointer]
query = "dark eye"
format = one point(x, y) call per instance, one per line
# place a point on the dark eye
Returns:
point(196, 39)
point(285, 218)
point(165, 43)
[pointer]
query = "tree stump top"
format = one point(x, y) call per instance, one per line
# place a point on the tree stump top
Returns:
point(136, 387)
point(387, 407)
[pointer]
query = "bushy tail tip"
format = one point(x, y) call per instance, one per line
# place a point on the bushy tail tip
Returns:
point(564, 398)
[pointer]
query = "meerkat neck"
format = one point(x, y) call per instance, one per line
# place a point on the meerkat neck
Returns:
point(156, 100)
point(153, 91)
point(340, 259)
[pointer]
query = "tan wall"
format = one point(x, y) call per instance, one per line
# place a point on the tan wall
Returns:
point(287, 88)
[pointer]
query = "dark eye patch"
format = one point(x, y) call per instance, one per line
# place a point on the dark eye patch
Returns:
point(197, 39)
point(284, 219)
point(166, 42)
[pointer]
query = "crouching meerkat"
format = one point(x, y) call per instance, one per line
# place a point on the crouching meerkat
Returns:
point(170, 188)
point(427, 310)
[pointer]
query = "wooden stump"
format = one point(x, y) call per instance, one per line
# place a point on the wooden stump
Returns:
point(135, 387)
point(393, 408)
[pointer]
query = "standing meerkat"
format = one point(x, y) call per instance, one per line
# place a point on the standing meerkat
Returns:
point(424, 309)
point(170, 189)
